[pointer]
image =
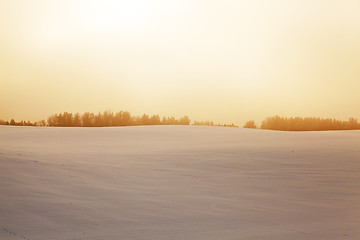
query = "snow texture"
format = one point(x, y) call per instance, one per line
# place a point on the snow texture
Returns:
point(178, 182)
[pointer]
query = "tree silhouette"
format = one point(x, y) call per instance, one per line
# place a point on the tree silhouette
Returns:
point(308, 124)
point(250, 124)
point(155, 120)
point(184, 120)
point(145, 120)
point(77, 120)
point(99, 120)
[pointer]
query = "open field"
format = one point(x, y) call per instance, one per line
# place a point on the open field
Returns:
point(178, 182)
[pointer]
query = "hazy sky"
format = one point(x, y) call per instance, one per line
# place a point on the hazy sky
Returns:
point(226, 61)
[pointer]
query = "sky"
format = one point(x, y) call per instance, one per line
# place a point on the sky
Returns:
point(225, 61)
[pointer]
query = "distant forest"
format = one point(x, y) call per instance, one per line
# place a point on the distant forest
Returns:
point(305, 124)
point(109, 119)
point(124, 118)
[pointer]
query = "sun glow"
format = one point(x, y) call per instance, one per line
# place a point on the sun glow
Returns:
point(112, 15)
point(123, 16)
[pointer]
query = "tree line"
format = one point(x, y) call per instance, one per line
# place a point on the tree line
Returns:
point(109, 119)
point(124, 118)
point(305, 124)
point(20, 123)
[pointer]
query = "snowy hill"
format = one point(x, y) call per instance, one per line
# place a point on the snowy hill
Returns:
point(178, 182)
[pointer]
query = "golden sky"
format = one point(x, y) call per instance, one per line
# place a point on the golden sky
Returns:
point(226, 61)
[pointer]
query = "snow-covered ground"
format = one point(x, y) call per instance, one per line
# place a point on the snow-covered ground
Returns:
point(178, 182)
